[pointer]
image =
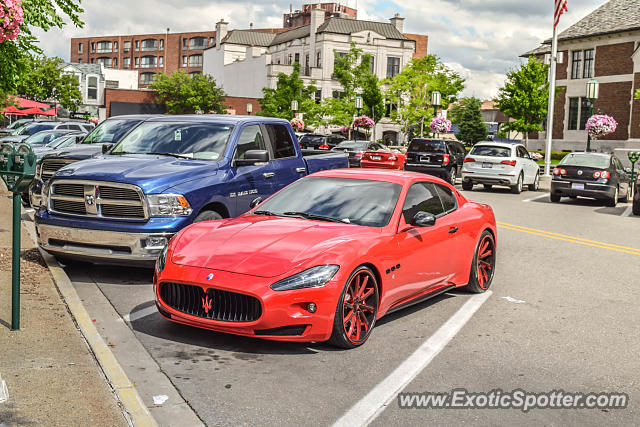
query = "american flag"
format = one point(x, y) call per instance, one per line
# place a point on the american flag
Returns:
point(561, 7)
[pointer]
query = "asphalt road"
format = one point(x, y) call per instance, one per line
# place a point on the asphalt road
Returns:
point(571, 323)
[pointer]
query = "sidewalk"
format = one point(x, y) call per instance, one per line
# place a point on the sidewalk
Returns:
point(51, 375)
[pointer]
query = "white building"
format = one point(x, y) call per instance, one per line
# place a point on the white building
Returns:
point(243, 62)
point(93, 79)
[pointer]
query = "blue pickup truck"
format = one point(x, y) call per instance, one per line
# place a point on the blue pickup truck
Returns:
point(166, 173)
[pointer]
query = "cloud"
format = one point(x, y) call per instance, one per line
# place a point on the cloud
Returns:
point(482, 39)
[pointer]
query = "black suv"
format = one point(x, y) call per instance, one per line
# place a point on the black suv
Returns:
point(439, 157)
point(320, 142)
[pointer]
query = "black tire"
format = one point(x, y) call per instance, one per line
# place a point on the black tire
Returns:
point(627, 195)
point(612, 202)
point(536, 183)
point(555, 197)
point(573, 197)
point(517, 188)
point(451, 177)
point(487, 186)
point(635, 207)
point(467, 185)
point(340, 337)
point(207, 216)
point(480, 278)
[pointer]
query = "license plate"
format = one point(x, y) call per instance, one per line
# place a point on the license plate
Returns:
point(487, 165)
point(425, 159)
point(376, 157)
point(577, 186)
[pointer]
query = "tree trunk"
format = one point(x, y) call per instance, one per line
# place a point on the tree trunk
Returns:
point(422, 127)
point(526, 140)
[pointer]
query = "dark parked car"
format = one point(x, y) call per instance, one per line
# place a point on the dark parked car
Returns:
point(635, 206)
point(355, 150)
point(320, 142)
point(32, 128)
point(440, 157)
point(594, 175)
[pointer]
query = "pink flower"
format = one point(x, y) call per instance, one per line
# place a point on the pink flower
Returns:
point(11, 17)
point(440, 125)
point(297, 124)
point(600, 125)
point(363, 122)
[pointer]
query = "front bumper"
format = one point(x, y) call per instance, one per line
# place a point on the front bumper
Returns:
point(591, 189)
point(283, 317)
point(101, 246)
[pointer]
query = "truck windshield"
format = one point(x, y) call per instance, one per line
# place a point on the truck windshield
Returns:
point(110, 131)
point(204, 141)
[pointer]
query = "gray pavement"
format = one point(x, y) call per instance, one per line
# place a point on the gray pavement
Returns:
point(576, 331)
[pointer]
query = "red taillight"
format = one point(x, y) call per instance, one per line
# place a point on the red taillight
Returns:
point(393, 158)
point(558, 171)
point(323, 147)
point(601, 174)
point(509, 162)
point(469, 160)
point(358, 154)
point(445, 159)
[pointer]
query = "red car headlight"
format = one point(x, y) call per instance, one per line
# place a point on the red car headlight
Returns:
point(162, 259)
point(314, 277)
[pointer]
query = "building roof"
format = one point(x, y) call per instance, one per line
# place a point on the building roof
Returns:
point(250, 38)
point(292, 34)
point(348, 26)
point(540, 50)
point(84, 68)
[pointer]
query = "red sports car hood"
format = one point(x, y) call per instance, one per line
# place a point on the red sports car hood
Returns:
point(260, 246)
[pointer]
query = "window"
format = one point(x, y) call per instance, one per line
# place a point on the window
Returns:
point(115, 46)
point(160, 61)
point(250, 139)
point(103, 47)
point(184, 61)
point(127, 46)
point(587, 73)
point(336, 56)
point(307, 65)
point(281, 143)
point(107, 62)
point(93, 47)
point(137, 62)
point(93, 60)
point(126, 62)
point(390, 108)
point(149, 45)
point(115, 62)
point(421, 196)
point(212, 40)
point(146, 78)
point(79, 47)
point(185, 43)
point(446, 197)
point(579, 111)
point(576, 61)
point(289, 59)
point(318, 96)
point(92, 88)
point(195, 61)
point(137, 45)
point(297, 58)
point(161, 44)
point(194, 73)
point(393, 66)
point(338, 94)
point(573, 113)
point(197, 43)
point(584, 112)
point(149, 62)
point(79, 60)
point(371, 63)
point(319, 59)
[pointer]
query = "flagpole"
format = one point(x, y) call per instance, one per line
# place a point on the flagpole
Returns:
point(552, 96)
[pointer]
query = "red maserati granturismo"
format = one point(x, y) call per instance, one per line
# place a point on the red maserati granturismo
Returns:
point(327, 256)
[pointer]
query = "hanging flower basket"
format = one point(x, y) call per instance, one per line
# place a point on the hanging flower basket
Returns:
point(297, 124)
point(344, 130)
point(363, 122)
point(440, 125)
point(11, 17)
point(600, 125)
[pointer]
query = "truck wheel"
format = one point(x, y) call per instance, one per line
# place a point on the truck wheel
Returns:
point(555, 197)
point(207, 216)
point(517, 188)
point(635, 209)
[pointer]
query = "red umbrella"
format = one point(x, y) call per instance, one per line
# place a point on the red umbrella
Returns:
point(26, 106)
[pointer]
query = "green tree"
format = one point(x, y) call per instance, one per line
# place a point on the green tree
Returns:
point(411, 89)
point(638, 94)
point(186, 94)
point(45, 80)
point(468, 116)
point(524, 97)
point(289, 87)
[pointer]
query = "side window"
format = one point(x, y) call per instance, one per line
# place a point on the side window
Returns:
point(281, 142)
point(421, 196)
point(75, 127)
point(447, 197)
point(250, 139)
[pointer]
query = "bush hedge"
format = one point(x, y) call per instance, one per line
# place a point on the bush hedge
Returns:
point(555, 155)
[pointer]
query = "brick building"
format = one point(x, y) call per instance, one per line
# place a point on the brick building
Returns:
point(605, 46)
point(302, 17)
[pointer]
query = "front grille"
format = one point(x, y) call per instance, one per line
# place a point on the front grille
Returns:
point(49, 167)
point(224, 305)
point(97, 199)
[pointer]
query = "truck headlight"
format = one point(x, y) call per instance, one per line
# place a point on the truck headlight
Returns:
point(314, 277)
point(168, 205)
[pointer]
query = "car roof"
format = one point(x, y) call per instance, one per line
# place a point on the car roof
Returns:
point(591, 153)
point(58, 131)
point(498, 144)
point(217, 118)
point(396, 177)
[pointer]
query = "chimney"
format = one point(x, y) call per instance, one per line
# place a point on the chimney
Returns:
point(317, 19)
point(221, 32)
point(397, 22)
point(251, 25)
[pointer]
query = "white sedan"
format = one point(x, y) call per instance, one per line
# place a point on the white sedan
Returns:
point(499, 163)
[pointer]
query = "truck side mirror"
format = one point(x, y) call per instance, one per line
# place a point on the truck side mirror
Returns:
point(251, 157)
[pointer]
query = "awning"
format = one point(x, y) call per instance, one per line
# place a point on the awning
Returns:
point(27, 107)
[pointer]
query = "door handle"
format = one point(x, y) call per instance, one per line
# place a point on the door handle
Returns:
point(268, 174)
point(300, 170)
point(453, 230)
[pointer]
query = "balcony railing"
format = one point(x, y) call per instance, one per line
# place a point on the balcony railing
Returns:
point(104, 50)
point(148, 48)
point(149, 65)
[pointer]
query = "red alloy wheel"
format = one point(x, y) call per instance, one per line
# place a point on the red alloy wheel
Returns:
point(360, 306)
point(485, 261)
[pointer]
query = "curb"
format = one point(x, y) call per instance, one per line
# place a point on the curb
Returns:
point(137, 411)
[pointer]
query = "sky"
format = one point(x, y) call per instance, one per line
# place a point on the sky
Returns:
point(480, 39)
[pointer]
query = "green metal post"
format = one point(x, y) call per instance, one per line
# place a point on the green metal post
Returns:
point(15, 266)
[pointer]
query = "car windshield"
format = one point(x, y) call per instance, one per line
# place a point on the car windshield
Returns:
point(352, 201)
point(40, 138)
point(586, 160)
point(62, 142)
point(491, 151)
point(426, 145)
point(110, 131)
point(34, 128)
point(352, 145)
point(204, 141)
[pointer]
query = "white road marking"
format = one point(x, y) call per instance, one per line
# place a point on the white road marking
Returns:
point(515, 301)
point(135, 315)
point(627, 212)
point(371, 405)
point(536, 198)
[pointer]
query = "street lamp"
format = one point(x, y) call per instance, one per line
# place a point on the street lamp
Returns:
point(249, 108)
point(358, 108)
point(436, 101)
point(593, 89)
point(294, 107)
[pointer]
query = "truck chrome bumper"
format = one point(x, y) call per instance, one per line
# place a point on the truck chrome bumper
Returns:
point(100, 245)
